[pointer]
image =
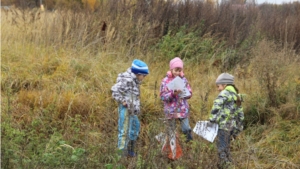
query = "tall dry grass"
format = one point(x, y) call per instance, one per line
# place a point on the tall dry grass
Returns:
point(57, 69)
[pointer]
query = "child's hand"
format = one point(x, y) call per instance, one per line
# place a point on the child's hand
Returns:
point(176, 92)
point(234, 137)
point(124, 104)
point(187, 97)
point(209, 124)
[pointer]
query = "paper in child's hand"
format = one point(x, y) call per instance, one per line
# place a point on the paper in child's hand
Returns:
point(185, 93)
point(178, 84)
point(206, 130)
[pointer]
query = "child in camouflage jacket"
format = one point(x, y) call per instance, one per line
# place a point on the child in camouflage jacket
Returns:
point(227, 112)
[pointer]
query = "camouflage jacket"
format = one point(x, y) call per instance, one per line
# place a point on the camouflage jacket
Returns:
point(127, 89)
point(225, 111)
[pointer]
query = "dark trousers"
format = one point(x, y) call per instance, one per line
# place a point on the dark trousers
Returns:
point(223, 145)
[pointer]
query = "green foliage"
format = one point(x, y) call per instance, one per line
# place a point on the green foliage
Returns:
point(57, 110)
point(187, 45)
point(58, 153)
point(12, 140)
point(32, 141)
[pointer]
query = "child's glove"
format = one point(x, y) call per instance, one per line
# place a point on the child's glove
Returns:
point(211, 121)
point(176, 92)
point(209, 124)
point(235, 133)
point(187, 97)
point(234, 136)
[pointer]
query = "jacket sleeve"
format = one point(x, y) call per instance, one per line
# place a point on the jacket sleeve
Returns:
point(239, 118)
point(119, 90)
point(217, 106)
point(165, 93)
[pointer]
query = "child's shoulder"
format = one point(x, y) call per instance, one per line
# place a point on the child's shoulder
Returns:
point(224, 93)
point(165, 78)
point(125, 75)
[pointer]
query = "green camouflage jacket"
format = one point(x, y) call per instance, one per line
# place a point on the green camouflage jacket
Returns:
point(225, 111)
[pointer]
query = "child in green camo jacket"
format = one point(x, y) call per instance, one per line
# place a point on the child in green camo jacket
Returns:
point(227, 112)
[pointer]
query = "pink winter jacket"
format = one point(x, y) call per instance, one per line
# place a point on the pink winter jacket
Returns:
point(174, 106)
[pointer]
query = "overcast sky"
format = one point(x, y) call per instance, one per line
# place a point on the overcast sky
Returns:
point(275, 1)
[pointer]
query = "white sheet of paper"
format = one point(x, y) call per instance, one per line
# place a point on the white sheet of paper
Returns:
point(185, 93)
point(178, 84)
point(209, 133)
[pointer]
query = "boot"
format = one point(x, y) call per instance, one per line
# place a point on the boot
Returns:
point(224, 162)
point(188, 135)
point(130, 149)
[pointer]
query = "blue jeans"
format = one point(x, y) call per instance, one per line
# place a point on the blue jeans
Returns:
point(223, 145)
point(128, 127)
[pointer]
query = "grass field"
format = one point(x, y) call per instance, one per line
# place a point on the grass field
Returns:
point(57, 69)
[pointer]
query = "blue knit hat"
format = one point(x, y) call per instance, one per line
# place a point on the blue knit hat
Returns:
point(139, 67)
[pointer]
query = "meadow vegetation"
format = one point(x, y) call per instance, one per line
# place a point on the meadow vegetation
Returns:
point(57, 68)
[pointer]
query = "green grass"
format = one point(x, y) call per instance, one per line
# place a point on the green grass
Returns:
point(57, 110)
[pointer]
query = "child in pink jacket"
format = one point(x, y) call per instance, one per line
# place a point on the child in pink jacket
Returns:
point(176, 107)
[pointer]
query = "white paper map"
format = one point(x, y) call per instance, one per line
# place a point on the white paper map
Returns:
point(209, 133)
point(178, 84)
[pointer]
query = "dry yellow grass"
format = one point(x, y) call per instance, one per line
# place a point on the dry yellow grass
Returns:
point(50, 78)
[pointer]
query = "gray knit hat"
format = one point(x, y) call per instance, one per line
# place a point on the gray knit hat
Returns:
point(225, 78)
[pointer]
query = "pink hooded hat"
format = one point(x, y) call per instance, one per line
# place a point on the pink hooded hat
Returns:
point(174, 63)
